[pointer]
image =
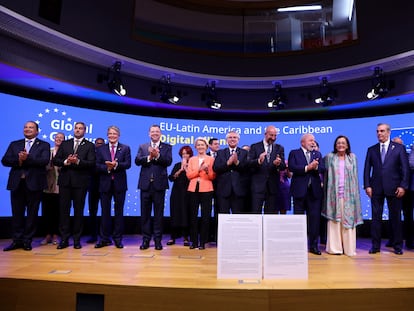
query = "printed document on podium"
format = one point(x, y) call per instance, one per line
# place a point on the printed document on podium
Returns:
point(285, 251)
point(239, 246)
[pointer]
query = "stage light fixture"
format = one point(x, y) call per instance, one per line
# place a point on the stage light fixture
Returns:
point(167, 94)
point(115, 81)
point(326, 93)
point(210, 96)
point(379, 85)
point(278, 101)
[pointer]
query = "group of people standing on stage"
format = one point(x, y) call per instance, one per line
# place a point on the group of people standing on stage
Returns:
point(248, 179)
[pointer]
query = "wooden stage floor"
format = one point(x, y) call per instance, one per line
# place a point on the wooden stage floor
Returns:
point(178, 278)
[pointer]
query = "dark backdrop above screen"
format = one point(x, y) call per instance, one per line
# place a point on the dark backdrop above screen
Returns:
point(54, 118)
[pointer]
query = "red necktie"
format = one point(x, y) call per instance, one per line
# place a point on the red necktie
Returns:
point(112, 152)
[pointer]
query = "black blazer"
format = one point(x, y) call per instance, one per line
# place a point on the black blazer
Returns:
point(157, 168)
point(231, 177)
point(75, 175)
point(264, 173)
point(34, 167)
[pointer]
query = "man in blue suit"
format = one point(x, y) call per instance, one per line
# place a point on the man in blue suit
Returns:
point(27, 159)
point(112, 161)
point(386, 176)
point(307, 164)
point(266, 160)
point(230, 166)
point(154, 157)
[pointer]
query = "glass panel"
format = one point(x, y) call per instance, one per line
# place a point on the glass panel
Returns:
point(250, 32)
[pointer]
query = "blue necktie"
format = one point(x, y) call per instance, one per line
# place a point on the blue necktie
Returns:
point(28, 145)
point(383, 152)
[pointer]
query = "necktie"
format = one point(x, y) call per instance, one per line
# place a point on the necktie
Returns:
point(112, 152)
point(28, 145)
point(383, 152)
point(75, 149)
point(269, 151)
point(308, 159)
point(232, 152)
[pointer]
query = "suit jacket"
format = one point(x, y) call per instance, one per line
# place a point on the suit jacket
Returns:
point(231, 177)
point(300, 179)
point(385, 178)
point(155, 169)
point(34, 167)
point(75, 175)
point(194, 174)
point(118, 175)
point(267, 172)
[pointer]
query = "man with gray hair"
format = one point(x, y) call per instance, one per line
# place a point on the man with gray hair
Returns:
point(232, 179)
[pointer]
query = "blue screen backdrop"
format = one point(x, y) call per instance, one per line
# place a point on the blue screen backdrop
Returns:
point(54, 118)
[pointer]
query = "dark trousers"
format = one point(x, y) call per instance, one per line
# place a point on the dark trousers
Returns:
point(50, 212)
point(203, 200)
point(310, 206)
point(78, 197)
point(266, 198)
point(394, 209)
point(24, 201)
point(93, 205)
point(232, 203)
point(106, 220)
point(149, 199)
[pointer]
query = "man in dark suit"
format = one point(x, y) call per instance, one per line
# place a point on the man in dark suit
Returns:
point(112, 161)
point(266, 160)
point(76, 157)
point(386, 176)
point(306, 165)
point(154, 158)
point(27, 159)
point(232, 179)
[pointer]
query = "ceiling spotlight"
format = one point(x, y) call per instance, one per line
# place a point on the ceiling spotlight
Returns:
point(115, 81)
point(167, 95)
point(278, 102)
point(379, 85)
point(210, 96)
point(326, 93)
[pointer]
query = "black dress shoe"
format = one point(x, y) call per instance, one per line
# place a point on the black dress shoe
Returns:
point(27, 246)
point(77, 245)
point(13, 246)
point(101, 244)
point(315, 251)
point(158, 246)
point(63, 244)
point(202, 246)
point(398, 251)
point(118, 244)
point(171, 242)
point(186, 243)
point(193, 246)
point(373, 250)
point(91, 240)
point(144, 245)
